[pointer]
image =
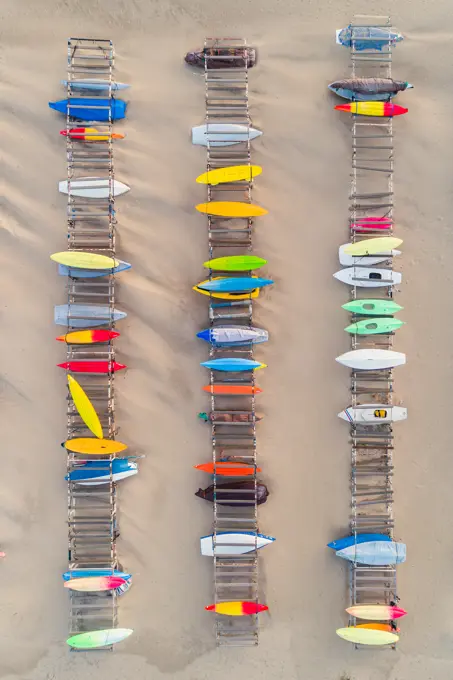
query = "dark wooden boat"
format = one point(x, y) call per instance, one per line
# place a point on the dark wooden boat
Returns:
point(223, 58)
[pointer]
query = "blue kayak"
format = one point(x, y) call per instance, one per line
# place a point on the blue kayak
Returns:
point(227, 336)
point(232, 364)
point(234, 284)
point(375, 38)
point(64, 270)
point(117, 108)
point(102, 471)
point(375, 553)
point(88, 573)
point(347, 541)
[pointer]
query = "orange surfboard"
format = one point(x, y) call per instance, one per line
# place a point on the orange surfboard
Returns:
point(232, 389)
point(228, 469)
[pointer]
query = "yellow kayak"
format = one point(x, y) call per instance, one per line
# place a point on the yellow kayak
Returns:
point(94, 447)
point(85, 407)
point(234, 173)
point(81, 260)
point(227, 296)
point(367, 636)
point(231, 209)
point(373, 246)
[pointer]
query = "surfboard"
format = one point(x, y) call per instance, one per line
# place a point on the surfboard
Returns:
point(374, 553)
point(235, 263)
point(233, 335)
point(372, 307)
point(99, 638)
point(87, 337)
point(94, 447)
point(79, 316)
point(94, 84)
point(376, 612)
point(366, 224)
point(370, 108)
point(231, 209)
point(235, 284)
point(365, 636)
point(90, 134)
point(374, 326)
point(88, 573)
point(231, 389)
point(92, 187)
point(233, 173)
point(84, 407)
point(92, 366)
point(226, 543)
point(94, 584)
point(373, 414)
point(366, 277)
point(94, 473)
point(77, 273)
point(228, 469)
point(85, 108)
point(227, 296)
point(347, 541)
point(371, 359)
point(233, 364)
point(371, 246)
point(82, 260)
point(223, 134)
point(239, 608)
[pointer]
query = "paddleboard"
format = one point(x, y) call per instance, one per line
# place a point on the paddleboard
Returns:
point(233, 365)
point(76, 273)
point(99, 638)
point(94, 584)
point(228, 469)
point(376, 612)
point(78, 316)
point(370, 108)
point(223, 134)
point(365, 636)
point(84, 407)
point(371, 359)
point(231, 209)
point(233, 173)
point(226, 543)
point(236, 284)
point(354, 539)
point(87, 337)
point(230, 389)
point(372, 246)
point(82, 260)
point(227, 296)
point(93, 187)
point(373, 414)
point(93, 473)
point(94, 84)
point(233, 335)
point(372, 307)
point(374, 326)
point(368, 278)
point(94, 447)
point(92, 366)
point(88, 109)
point(239, 608)
point(235, 263)
point(88, 573)
point(90, 134)
point(374, 553)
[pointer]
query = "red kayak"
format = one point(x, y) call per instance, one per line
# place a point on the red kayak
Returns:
point(92, 366)
point(364, 224)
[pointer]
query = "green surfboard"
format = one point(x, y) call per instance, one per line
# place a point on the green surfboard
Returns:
point(98, 638)
point(374, 326)
point(236, 263)
point(372, 307)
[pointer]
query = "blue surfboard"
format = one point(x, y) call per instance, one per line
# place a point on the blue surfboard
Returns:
point(231, 364)
point(102, 471)
point(87, 573)
point(347, 541)
point(234, 284)
point(116, 108)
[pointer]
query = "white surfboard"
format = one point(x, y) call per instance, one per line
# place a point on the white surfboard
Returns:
point(237, 543)
point(373, 414)
point(223, 134)
point(93, 187)
point(364, 260)
point(94, 84)
point(368, 278)
point(371, 359)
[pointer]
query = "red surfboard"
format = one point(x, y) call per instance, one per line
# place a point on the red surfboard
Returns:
point(232, 389)
point(92, 366)
point(228, 469)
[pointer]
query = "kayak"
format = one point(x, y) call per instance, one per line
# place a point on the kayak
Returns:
point(223, 134)
point(374, 553)
point(94, 584)
point(251, 295)
point(88, 573)
point(99, 638)
point(237, 284)
point(231, 209)
point(233, 335)
point(230, 389)
point(371, 359)
point(92, 366)
point(94, 84)
point(373, 414)
point(228, 469)
point(87, 337)
point(364, 260)
point(233, 173)
point(374, 326)
point(376, 612)
point(365, 636)
point(224, 543)
point(86, 108)
point(372, 307)
point(238, 417)
point(81, 315)
point(84, 407)
point(235, 263)
point(224, 57)
point(93, 187)
point(238, 494)
point(387, 109)
point(372, 246)
point(81, 260)
point(367, 37)
point(355, 539)
point(102, 472)
point(366, 277)
point(90, 134)
point(78, 273)
point(237, 608)
point(233, 365)
point(367, 224)
point(368, 89)
point(94, 447)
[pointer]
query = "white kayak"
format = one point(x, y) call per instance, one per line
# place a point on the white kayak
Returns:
point(93, 187)
point(379, 553)
point(364, 260)
point(234, 543)
point(368, 278)
point(83, 315)
point(373, 414)
point(371, 359)
point(94, 84)
point(223, 134)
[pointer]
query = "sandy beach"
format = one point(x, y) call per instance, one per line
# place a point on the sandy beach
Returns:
point(303, 446)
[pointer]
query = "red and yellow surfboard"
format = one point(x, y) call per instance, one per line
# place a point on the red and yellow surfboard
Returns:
point(237, 608)
point(388, 109)
point(87, 337)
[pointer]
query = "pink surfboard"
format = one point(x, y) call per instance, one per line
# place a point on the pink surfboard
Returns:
point(365, 224)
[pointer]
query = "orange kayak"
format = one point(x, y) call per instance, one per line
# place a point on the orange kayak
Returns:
point(228, 469)
point(232, 389)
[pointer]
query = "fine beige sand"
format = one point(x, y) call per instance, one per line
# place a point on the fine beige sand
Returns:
point(303, 446)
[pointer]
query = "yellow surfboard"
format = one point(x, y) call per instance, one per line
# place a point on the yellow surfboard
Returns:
point(231, 209)
point(372, 246)
point(367, 636)
point(85, 407)
point(81, 260)
point(233, 173)
point(94, 447)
